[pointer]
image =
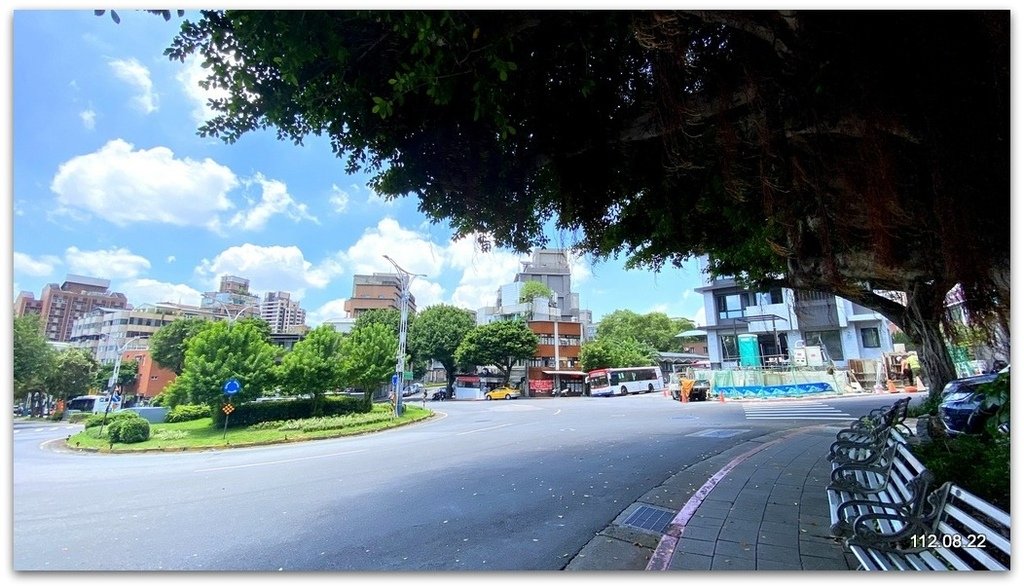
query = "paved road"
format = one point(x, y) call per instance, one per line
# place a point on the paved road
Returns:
point(502, 485)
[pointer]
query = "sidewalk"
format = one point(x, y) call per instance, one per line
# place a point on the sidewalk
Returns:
point(758, 506)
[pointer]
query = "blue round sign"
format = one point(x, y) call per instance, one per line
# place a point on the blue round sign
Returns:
point(232, 386)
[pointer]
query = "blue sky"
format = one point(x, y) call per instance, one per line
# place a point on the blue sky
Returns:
point(111, 180)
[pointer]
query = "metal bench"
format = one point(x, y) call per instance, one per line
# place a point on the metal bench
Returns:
point(871, 430)
point(894, 482)
point(962, 532)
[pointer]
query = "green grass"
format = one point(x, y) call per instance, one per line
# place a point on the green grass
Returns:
point(202, 434)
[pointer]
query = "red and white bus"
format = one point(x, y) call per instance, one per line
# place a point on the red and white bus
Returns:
point(625, 380)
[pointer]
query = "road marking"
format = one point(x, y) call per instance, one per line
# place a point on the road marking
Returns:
point(279, 461)
point(484, 429)
point(796, 411)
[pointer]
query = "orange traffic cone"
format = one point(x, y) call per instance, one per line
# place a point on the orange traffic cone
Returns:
point(721, 396)
point(891, 386)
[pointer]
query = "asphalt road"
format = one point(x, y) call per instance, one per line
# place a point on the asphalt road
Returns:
point(486, 486)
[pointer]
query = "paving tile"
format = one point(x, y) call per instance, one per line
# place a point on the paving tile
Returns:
point(689, 561)
point(740, 549)
point(704, 533)
point(720, 562)
point(695, 546)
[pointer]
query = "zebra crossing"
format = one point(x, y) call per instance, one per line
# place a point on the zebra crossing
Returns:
point(800, 410)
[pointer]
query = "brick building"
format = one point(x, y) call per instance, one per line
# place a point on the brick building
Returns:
point(60, 305)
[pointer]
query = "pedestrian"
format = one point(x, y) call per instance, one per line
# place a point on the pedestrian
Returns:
point(908, 370)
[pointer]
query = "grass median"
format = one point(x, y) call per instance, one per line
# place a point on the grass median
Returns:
point(202, 434)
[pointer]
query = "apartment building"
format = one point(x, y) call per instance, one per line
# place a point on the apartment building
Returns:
point(104, 331)
point(773, 325)
point(61, 304)
point(556, 364)
point(376, 291)
point(232, 299)
point(283, 314)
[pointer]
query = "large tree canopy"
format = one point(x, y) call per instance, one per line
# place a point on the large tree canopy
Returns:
point(845, 151)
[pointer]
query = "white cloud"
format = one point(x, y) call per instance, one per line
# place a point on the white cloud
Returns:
point(699, 319)
point(274, 200)
point(329, 310)
point(170, 259)
point(40, 267)
point(579, 270)
point(88, 118)
point(147, 291)
point(124, 186)
point(339, 199)
point(269, 268)
point(375, 198)
point(412, 251)
point(482, 273)
point(136, 75)
point(108, 263)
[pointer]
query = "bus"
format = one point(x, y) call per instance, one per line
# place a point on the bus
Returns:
point(625, 380)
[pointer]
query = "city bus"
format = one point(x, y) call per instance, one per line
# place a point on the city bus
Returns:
point(625, 380)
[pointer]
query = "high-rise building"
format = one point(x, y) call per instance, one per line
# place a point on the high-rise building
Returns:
point(281, 312)
point(376, 291)
point(60, 305)
point(233, 299)
point(26, 303)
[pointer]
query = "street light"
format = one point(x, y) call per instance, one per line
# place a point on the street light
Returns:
point(227, 310)
point(113, 376)
point(404, 278)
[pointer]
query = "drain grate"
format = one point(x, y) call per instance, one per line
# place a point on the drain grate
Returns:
point(650, 519)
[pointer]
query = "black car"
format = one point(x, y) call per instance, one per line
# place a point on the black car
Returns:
point(961, 407)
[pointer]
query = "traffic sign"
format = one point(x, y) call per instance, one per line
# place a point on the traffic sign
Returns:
point(407, 376)
point(232, 386)
point(115, 398)
point(394, 380)
point(228, 408)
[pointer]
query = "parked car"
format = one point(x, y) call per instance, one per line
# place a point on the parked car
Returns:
point(961, 405)
point(412, 389)
point(506, 392)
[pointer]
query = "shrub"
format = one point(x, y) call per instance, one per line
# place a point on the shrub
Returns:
point(128, 429)
point(250, 413)
point(979, 464)
point(187, 412)
point(94, 419)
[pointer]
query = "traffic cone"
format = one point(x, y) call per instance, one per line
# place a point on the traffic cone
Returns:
point(891, 386)
point(721, 396)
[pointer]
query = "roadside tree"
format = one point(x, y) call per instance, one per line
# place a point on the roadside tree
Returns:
point(72, 375)
point(313, 366)
point(32, 361)
point(436, 335)
point(500, 343)
point(654, 328)
point(167, 346)
point(788, 146)
point(605, 352)
point(368, 358)
point(219, 353)
point(126, 375)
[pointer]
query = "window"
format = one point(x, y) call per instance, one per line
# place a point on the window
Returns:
point(869, 337)
point(729, 348)
point(772, 296)
point(830, 340)
point(729, 306)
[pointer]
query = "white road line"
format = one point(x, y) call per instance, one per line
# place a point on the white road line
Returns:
point(265, 463)
point(484, 429)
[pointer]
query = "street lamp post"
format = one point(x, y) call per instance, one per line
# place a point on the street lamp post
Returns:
point(227, 310)
point(112, 382)
point(404, 278)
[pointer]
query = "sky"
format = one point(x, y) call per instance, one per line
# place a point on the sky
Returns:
point(111, 180)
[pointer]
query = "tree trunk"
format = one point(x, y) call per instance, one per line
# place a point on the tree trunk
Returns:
point(923, 325)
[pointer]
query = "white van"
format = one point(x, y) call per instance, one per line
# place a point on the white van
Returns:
point(91, 403)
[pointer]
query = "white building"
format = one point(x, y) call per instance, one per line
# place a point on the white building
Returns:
point(782, 320)
point(282, 313)
point(103, 331)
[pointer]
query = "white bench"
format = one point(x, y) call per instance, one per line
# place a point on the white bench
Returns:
point(963, 532)
point(896, 483)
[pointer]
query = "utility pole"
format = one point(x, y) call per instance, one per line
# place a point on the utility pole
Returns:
point(404, 278)
point(112, 382)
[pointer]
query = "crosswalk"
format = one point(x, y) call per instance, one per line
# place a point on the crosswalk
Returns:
point(801, 410)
